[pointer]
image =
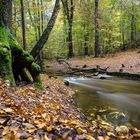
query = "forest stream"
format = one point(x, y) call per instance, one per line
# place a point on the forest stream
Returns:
point(115, 100)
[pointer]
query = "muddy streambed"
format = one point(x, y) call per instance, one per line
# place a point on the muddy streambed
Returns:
point(115, 100)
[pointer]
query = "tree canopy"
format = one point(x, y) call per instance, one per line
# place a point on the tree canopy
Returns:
point(118, 26)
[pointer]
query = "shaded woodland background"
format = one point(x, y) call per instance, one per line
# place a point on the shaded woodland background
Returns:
point(114, 24)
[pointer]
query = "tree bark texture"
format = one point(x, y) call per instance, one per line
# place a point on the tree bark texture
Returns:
point(69, 12)
point(23, 25)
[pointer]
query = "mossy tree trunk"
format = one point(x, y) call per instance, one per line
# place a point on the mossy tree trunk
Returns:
point(14, 61)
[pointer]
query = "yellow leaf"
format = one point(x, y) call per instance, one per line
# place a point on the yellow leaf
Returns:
point(7, 100)
point(81, 131)
point(49, 128)
point(30, 138)
point(90, 137)
point(110, 134)
point(74, 123)
point(46, 117)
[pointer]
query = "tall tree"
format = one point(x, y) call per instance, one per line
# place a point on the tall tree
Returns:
point(45, 35)
point(23, 25)
point(68, 6)
point(96, 45)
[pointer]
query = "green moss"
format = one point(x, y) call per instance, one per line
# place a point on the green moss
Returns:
point(38, 85)
point(35, 67)
point(27, 57)
point(6, 71)
point(11, 53)
point(35, 73)
point(14, 45)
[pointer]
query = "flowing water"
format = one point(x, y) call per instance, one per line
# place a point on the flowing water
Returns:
point(115, 100)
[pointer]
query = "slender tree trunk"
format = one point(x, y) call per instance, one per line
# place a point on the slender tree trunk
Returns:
point(86, 45)
point(133, 27)
point(122, 27)
point(109, 40)
point(70, 45)
point(96, 45)
point(133, 35)
point(23, 25)
point(69, 12)
point(14, 20)
point(44, 37)
point(9, 6)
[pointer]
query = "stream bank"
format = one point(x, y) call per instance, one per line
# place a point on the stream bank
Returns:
point(51, 114)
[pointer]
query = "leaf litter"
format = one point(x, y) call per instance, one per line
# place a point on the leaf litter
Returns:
point(27, 113)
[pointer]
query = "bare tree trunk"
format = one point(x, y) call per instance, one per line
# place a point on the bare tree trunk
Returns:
point(96, 46)
point(122, 28)
point(69, 12)
point(133, 27)
point(86, 44)
point(14, 19)
point(44, 37)
point(23, 25)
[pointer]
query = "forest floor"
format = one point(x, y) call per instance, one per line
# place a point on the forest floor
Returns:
point(128, 61)
point(32, 114)
point(27, 113)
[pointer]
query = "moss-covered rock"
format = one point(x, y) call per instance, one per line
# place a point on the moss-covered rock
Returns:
point(13, 59)
point(6, 71)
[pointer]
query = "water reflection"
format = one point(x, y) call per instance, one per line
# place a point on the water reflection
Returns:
point(118, 96)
